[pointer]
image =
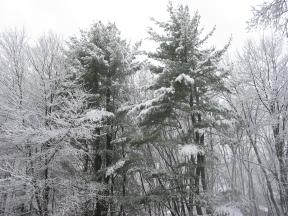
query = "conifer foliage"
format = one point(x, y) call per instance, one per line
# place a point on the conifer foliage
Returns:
point(188, 77)
point(105, 60)
point(98, 127)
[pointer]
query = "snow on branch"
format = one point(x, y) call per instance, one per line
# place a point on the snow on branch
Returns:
point(98, 115)
point(190, 150)
point(119, 140)
point(111, 170)
point(186, 78)
point(228, 210)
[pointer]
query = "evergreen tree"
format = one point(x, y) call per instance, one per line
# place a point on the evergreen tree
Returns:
point(183, 106)
point(105, 61)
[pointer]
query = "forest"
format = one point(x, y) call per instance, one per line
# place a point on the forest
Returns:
point(98, 126)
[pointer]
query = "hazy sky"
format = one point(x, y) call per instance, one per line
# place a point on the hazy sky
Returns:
point(66, 17)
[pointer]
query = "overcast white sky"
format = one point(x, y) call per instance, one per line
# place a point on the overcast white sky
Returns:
point(66, 17)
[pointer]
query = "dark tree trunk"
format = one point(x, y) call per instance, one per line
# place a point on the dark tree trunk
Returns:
point(46, 192)
point(101, 208)
point(279, 146)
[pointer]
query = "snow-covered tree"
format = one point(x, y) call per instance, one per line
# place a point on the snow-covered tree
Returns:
point(43, 117)
point(174, 121)
point(271, 13)
point(264, 64)
point(105, 61)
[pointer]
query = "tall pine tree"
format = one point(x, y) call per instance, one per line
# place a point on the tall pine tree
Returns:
point(183, 108)
point(105, 61)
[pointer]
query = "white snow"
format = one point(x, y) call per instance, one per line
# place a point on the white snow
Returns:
point(116, 166)
point(147, 111)
point(151, 105)
point(263, 208)
point(164, 90)
point(186, 78)
point(146, 106)
point(179, 49)
point(190, 149)
point(228, 210)
point(157, 165)
point(119, 140)
point(97, 115)
point(124, 108)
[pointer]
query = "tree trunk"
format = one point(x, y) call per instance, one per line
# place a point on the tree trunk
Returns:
point(101, 207)
point(268, 183)
point(46, 192)
point(279, 146)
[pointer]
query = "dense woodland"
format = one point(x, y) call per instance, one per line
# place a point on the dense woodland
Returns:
point(96, 126)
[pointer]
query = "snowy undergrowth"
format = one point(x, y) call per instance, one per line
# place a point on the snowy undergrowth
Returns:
point(228, 211)
point(190, 150)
